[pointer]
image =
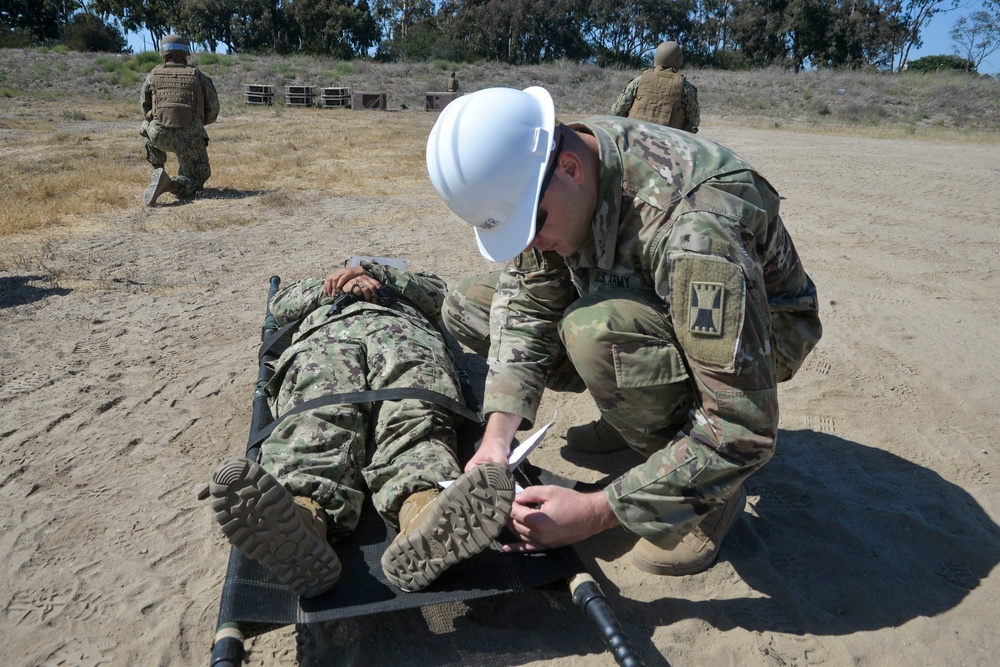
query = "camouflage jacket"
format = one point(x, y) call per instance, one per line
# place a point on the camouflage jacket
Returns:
point(689, 103)
point(304, 300)
point(676, 214)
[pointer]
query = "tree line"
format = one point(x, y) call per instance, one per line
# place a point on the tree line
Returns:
point(871, 34)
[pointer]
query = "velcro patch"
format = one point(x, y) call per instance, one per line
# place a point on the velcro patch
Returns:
point(709, 300)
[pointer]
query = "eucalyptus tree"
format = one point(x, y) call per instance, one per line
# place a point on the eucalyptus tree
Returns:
point(625, 33)
point(977, 36)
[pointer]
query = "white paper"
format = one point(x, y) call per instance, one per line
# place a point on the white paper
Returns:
point(520, 452)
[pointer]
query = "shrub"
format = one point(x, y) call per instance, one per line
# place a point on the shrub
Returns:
point(938, 63)
point(144, 62)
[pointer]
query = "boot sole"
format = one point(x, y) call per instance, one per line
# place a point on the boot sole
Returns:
point(673, 571)
point(463, 521)
point(261, 520)
point(157, 186)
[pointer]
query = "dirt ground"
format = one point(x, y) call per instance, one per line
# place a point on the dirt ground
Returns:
point(870, 539)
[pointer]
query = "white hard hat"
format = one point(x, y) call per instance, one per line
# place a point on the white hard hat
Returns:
point(487, 156)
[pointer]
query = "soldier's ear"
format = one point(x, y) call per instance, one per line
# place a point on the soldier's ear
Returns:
point(572, 166)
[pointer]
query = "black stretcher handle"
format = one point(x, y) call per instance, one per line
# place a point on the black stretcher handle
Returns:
point(589, 597)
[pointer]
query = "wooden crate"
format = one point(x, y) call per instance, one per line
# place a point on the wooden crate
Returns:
point(438, 101)
point(256, 93)
point(335, 97)
point(368, 101)
point(300, 96)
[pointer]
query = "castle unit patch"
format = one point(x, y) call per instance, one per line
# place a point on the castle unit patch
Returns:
point(707, 305)
point(709, 302)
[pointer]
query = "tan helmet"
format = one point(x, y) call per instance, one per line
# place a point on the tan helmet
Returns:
point(668, 54)
point(174, 44)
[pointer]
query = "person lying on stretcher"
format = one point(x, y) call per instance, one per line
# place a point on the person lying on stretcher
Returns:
point(362, 328)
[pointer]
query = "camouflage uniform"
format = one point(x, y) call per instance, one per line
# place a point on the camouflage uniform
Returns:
point(691, 112)
point(190, 142)
point(395, 448)
point(681, 313)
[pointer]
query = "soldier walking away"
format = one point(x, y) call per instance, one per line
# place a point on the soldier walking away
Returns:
point(178, 101)
point(648, 266)
point(662, 95)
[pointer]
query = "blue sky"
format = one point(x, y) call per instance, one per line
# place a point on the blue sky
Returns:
point(937, 41)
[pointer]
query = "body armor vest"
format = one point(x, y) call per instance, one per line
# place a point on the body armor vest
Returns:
point(177, 95)
point(659, 97)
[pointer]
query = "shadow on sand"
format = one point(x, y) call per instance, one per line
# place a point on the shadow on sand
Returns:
point(22, 290)
point(845, 538)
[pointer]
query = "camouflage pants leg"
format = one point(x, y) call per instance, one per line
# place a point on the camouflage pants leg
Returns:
point(466, 311)
point(466, 314)
point(155, 156)
point(623, 346)
point(394, 448)
point(190, 145)
point(320, 453)
point(415, 441)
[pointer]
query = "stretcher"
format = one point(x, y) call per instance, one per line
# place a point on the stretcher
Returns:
point(253, 602)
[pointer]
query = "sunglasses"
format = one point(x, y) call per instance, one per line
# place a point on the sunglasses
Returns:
point(550, 171)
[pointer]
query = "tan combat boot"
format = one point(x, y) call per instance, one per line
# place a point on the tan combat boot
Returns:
point(158, 184)
point(264, 521)
point(439, 529)
point(597, 437)
point(699, 548)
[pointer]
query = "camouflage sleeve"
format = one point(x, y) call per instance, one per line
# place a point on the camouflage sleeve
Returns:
point(625, 99)
point(298, 300)
point(212, 107)
point(533, 291)
point(689, 98)
point(425, 290)
point(723, 335)
point(146, 99)
point(792, 300)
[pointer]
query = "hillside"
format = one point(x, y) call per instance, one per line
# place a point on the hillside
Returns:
point(763, 97)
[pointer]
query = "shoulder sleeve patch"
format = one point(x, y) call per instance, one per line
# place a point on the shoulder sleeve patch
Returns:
point(709, 296)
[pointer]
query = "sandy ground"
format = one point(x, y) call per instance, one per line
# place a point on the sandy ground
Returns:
point(870, 539)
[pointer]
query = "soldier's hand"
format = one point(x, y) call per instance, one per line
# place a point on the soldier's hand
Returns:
point(354, 280)
point(491, 450)
point(547, 517)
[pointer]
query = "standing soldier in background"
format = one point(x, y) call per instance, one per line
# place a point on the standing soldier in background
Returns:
point(452, 83)
point(662, 95)
point(178, 101)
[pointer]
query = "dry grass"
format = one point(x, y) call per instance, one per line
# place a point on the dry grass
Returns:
point(71, 158)
point(57, 174)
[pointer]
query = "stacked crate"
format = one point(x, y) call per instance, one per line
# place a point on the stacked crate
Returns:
point(299, 96)
point(335, 97)
point(258, 94)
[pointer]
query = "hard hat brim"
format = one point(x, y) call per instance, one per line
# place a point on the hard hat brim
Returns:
point(510, 239)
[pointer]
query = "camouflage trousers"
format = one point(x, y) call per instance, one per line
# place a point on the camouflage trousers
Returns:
point(394, 448)
point(618, 343)
point(189, 144)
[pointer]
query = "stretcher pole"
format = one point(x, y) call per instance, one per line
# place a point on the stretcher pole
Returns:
point(227, 647)
point(589, 597)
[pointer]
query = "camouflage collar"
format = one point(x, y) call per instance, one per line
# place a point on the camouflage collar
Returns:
point(604, 226)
